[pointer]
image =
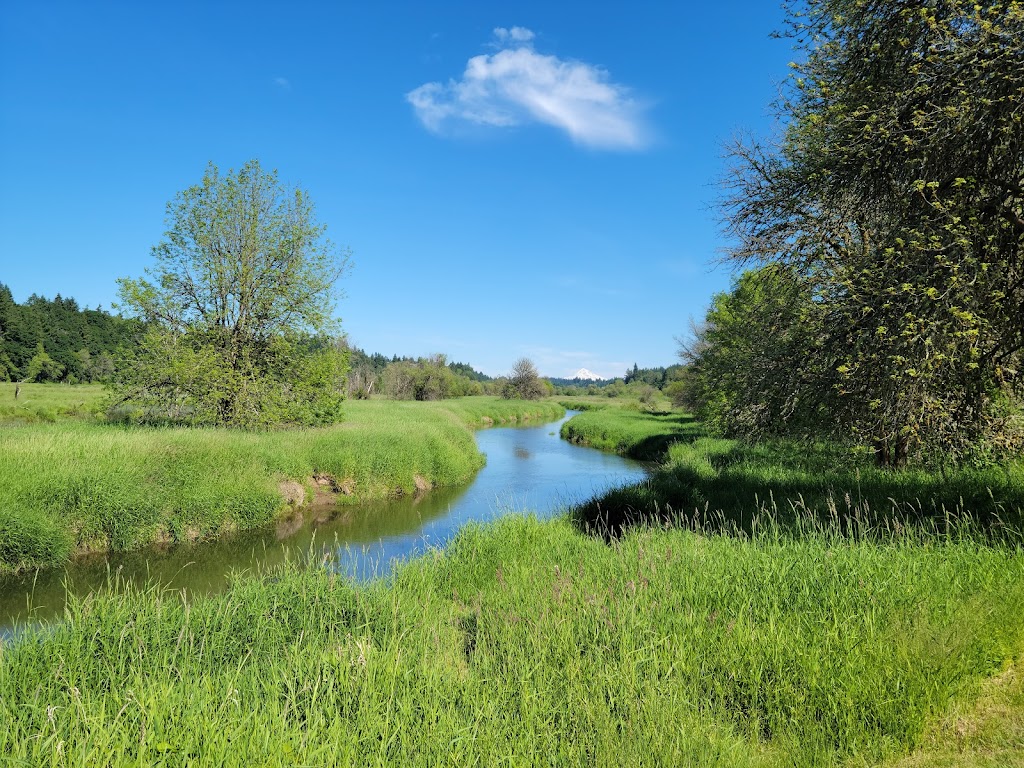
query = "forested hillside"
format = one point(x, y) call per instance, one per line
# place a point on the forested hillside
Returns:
point(56, 340)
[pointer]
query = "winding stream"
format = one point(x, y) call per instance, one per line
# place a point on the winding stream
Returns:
point(528, 469)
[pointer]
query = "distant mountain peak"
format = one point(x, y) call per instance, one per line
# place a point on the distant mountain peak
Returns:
point(583, 373)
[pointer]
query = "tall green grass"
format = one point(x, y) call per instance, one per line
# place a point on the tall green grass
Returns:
point(630, 432)
point(529, 643)
point(48, 403)
point(75, 486)
point(734, 485)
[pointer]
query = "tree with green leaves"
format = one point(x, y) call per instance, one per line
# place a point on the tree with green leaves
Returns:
point(896, 200)
point(524, 382)
point(740, 376)
point(42, 367)
point(239, 307)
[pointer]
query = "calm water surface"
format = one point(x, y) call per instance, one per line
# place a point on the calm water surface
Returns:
point(528, 469)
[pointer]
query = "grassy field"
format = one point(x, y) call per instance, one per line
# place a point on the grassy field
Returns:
point(775, 605)
point(79, 485)
point(530, 643)
point(628, 431)
point(49, 402)
point(800, 491)
point(732, 486)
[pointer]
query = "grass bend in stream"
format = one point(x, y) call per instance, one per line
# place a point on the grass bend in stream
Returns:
point(731, 486)
point(529, 643)
point(631, 432)
point(74, 485)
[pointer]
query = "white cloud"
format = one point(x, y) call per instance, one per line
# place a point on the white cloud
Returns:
point(515, 34)
point(517, 85)
point(282, 82)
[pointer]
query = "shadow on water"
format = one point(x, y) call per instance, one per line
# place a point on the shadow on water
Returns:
point(528, 468)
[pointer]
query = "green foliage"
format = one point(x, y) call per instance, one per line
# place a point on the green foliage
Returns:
point(408, 378)
point(524, 383)
point(430, 378)
point(192, 379)
point(79, 342)
point(42, 367)
point(658, 378)
point(238, 309)
point(86, 486)
point(742, 360)
point(896, 202)
point(528, 643)
point(468, 371)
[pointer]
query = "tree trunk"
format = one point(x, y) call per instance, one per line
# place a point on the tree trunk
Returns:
point(883, 457)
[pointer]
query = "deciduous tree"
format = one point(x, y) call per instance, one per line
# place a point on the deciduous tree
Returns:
point(524, 382)
point(896, 200)
point(239, 303)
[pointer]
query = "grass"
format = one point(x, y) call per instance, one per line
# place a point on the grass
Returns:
point(530, 643)
point(75, 486)
point(633, 433)
point(706, 481)
point(773, 605)
point(800, 491)
point(736, 486)
point(982, 732)
point(48, 403)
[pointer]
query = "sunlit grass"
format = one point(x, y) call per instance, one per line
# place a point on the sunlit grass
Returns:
point(529, 643)
point(49, 402)
point(629, 431)
point(74, 486)
point(785, 604)
point(704, 481)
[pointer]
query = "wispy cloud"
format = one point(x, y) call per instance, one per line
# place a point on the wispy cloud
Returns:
point(517, 85)
point(513, 35)
point(282, 82)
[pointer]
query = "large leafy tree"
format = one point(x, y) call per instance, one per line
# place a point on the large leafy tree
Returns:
point(239, 305)
point(524, 382)
point(740, 377)
point(896, 197)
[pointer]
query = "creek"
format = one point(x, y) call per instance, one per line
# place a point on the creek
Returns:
point(529, 469)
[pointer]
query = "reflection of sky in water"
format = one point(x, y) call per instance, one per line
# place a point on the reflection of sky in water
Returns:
point(528, 469)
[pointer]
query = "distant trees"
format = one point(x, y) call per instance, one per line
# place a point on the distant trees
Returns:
point(42, 367)
point(408, 378)
point(888, 232)
point(239, 309)
point(81, 342)
point(429, 378)
point(524, 382)
point(653, 377)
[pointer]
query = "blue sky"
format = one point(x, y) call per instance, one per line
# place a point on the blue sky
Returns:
point(513, 179)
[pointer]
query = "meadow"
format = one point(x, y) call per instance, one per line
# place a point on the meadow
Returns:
point(531, 643)
point(76, 484)
point(782, 604)
point(628, 430)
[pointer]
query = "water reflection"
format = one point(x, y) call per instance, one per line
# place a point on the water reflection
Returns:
point(528, 468)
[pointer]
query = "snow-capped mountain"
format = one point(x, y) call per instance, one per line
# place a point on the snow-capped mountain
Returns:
point(583, 373)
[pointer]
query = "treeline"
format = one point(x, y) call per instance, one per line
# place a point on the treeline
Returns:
point(55, 340)
point(883, 241)
point(415, 378)
point(434, 378)
point(639, 383)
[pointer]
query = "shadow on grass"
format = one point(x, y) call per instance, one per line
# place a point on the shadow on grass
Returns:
point(724, 486)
